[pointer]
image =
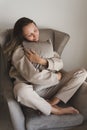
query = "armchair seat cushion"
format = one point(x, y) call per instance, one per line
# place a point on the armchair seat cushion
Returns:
point(35, 120)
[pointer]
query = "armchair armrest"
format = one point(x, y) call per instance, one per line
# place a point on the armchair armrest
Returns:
point(16, 114)
point(15, 110)
point(79, 100)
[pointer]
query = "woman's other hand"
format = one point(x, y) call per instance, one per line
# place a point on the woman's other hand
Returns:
point(59, 75)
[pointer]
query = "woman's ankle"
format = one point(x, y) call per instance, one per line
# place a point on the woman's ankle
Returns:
point(54, 101)
point(54, 110)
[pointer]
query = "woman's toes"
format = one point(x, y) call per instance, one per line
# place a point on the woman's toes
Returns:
point(74, 111)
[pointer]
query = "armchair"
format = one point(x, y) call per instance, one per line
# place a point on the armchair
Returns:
point(24, 118)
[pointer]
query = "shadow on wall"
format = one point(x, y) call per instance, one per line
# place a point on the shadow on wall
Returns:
point(5, 25)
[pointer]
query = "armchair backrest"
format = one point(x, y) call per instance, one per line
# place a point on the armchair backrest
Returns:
point(59, 39)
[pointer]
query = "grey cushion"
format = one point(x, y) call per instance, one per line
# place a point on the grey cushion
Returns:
point(43, 48)
point(37, 121)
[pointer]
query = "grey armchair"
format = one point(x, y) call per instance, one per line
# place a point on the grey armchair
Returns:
point(24, 118)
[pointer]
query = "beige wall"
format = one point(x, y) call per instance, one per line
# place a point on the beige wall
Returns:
point(66, 15)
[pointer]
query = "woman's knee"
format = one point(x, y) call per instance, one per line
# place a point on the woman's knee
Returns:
point(81, 73)
point(22, 90)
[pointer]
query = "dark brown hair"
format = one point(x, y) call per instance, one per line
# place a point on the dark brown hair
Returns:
point(20, 23)
point(17, 37)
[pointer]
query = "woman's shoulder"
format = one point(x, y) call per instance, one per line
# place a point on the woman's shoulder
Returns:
point(18, 53)
point(18, 49)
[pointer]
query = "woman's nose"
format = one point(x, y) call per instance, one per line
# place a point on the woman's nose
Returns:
point(34, 35)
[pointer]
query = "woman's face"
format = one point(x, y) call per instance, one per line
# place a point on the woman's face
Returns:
point(31, 32)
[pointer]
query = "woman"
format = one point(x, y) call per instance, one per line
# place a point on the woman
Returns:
point(27, 79)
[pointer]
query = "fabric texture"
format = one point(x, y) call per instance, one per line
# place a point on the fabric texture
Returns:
point(36, 120)
point(44, 48)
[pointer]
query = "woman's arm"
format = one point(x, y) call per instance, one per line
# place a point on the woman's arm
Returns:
point(54, 63)
point(28, 71)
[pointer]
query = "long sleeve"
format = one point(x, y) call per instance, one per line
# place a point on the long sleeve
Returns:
point(55, 63)
point(29, 72)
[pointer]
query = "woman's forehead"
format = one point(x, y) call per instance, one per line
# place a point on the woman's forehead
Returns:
point(29, 28)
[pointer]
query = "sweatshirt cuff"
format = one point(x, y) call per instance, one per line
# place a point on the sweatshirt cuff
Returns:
point(50, 64)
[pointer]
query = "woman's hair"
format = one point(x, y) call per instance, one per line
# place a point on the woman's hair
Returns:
point(17, 37)
point(20, 23)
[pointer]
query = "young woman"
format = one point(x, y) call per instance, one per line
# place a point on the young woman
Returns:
point(28, 79)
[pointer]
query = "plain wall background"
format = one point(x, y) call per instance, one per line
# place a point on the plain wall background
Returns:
point(69, 16)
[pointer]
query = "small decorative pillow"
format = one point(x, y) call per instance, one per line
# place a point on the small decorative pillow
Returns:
point(43, 49)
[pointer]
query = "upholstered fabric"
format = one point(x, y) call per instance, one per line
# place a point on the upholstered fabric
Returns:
point(36, 120)
point(43, 48)
point(79, 100)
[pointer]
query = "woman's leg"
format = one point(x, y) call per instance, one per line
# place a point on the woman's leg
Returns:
point(25, 94)
point(69, 89)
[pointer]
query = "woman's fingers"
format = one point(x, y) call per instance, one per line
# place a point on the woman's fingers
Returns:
point(33, 51)
point(27, 55)
point(30, 51)
point(32, 56)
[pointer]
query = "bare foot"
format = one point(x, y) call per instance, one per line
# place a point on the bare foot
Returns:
point(61, 111)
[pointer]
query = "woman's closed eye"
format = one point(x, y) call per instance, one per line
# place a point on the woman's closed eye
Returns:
point(29, 35)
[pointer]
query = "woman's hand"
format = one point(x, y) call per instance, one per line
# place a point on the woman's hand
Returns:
point(32, 56)
point(59, 75)
point(35, 58)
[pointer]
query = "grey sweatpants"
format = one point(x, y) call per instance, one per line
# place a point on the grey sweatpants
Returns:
point(70, 83)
